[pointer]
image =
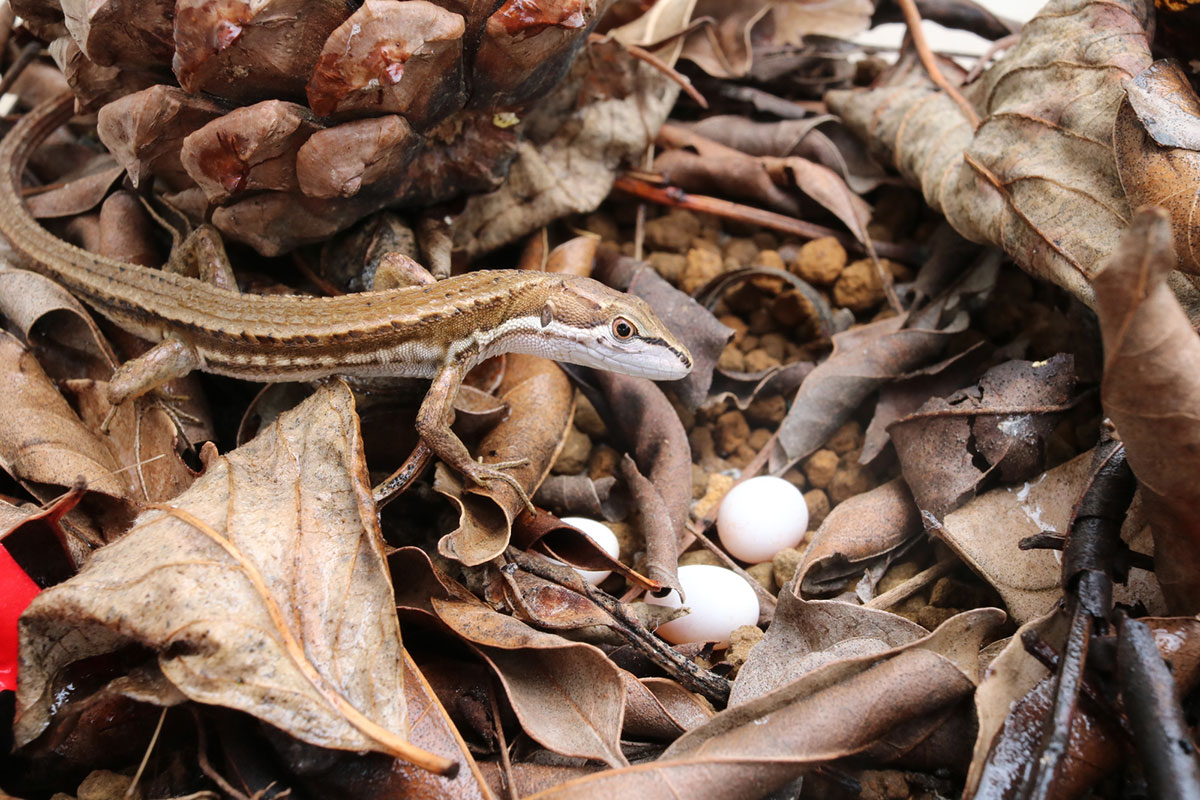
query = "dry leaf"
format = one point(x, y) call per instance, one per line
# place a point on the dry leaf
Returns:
point(262, 588)
point(836, 710)
point(1038, 177)
point(542, 404)
point(355, 777)
point(1151, 390)
point(567, 695)
point(805, 635)
point(863, 358)
point(821, 138)
point(570, 167)
point(858, 531)
point(79, 195)
point(950, 446)
point(1158, 152)
point(985, 533)
point(42, 441)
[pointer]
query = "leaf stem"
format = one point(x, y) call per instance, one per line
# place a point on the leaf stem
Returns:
point(912, 18)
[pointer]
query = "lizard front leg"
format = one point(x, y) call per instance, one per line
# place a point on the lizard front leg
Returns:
point(433, 424)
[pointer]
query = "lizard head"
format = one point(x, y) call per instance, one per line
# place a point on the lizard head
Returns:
point(595, 326)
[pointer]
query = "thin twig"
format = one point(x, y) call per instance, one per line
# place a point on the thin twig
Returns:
point(674, 196)
point(898, 594)
point(203, 762)
point(506, 769)
point(28, 53)
point(912, 18)
point(137, 776)
point(684, 670)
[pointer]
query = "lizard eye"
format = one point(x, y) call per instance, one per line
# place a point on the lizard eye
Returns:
point(623, 329)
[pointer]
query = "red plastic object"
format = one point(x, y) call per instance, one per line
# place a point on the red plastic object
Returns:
point(16, 592)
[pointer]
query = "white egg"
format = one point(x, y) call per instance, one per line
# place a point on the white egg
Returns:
point(761, 516)
point(602, 535)
point(720, 600)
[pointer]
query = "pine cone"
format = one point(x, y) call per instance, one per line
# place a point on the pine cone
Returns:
point(288, 120)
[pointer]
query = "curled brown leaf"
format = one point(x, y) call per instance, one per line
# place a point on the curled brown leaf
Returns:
point(1151, 390)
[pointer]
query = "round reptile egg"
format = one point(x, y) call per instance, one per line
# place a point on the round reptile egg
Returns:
point(761, 516)
point(602, 535)
point(720, 600)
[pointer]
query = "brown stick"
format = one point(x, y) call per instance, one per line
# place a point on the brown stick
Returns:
point(912, 18)
point(673, 196)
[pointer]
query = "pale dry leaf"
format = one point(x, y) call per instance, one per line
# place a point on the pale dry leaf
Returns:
point(42, 440)
point(836, 710)
point(805, 635)
point(986, 530)
point(662, 23)
point(572, 168)
point(795, 19)
point(1038, 177)
point(262, 588)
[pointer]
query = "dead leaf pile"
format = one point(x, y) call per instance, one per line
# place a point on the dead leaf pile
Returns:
point(983, 387)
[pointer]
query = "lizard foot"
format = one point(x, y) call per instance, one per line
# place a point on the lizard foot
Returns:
point(483, 474)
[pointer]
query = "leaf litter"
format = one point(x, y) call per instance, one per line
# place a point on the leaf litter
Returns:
point(941, 408)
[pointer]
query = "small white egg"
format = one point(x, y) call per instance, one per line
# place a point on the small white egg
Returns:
point(761, 516)
point(720, 600)
point(602, 535)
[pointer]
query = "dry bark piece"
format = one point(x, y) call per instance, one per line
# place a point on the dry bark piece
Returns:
point(262, 588)
point(250, 50)
point(145, 131)
point(341, 161)
point(1158, 152)
point(866, 528)
point(392, 57)
point(249, 149)
point(527, 47)
point(1151, 390)
point(985, 533)
point(1038, 177)
point(119, 32)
